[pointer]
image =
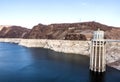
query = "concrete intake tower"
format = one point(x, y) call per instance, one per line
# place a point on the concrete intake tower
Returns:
point(98, 52)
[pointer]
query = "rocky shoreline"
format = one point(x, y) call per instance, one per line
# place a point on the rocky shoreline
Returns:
point(71, 46)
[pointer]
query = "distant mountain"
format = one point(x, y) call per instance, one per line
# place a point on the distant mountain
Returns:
point(13, 31)
point(2, 26)
point(72, 31)
point(63, 31)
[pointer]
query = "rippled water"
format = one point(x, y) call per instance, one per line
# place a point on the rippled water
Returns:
point(20, 64)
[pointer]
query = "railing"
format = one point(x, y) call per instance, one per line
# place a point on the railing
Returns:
point(109, 40)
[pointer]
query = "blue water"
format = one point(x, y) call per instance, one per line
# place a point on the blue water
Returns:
point(20, 64)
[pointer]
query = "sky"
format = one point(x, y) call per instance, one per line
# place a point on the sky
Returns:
point(29, 13)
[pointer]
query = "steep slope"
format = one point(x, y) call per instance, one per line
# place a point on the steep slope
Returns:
point(2, 26)
point(72, 31)
point(13, 32)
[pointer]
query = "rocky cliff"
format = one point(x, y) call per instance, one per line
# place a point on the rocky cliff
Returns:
point(13, 32)
point(72, 31)
point(63, 31)
point(66, 46)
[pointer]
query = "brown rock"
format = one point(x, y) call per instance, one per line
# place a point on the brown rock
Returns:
point(72, 31)
point(67, 31)
point(13, 32)
point(73, 36)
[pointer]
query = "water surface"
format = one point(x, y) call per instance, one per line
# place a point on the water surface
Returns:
point(20, 64)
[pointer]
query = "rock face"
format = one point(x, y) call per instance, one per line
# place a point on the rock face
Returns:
point(75, 36)
point(13, 32)
point(113, 54)
point(114, 33)
point(63, 31)
point(66, 46)
point(2, 26)
point(113, 50)
point(72, 31)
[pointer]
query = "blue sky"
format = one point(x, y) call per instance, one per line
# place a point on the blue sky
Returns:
point(31, 12)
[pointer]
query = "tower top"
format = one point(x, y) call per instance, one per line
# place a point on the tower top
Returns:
point(99, 34)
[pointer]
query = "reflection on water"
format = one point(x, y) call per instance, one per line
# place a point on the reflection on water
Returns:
point(97, 77)
point(20, 64)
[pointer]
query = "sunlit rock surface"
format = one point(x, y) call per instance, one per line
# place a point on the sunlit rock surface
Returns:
point(113, 54)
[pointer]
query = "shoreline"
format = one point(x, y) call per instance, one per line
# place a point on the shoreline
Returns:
point(70, 46)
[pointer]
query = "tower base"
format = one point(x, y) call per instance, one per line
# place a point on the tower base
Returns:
point(97, 76)
point(97, 69)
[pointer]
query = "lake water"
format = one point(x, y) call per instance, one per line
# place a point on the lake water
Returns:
point(20, 64)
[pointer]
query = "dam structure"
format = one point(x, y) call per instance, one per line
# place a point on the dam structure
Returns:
point(98, 52)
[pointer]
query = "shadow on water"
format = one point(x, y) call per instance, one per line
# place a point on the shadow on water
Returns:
point(110, 75)
point(97, 77)
point(81, 62)
point(40, 53)
point(64, 67)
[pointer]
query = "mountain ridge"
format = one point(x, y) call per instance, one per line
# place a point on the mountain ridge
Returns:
point(68, 31)
point(61, 31)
